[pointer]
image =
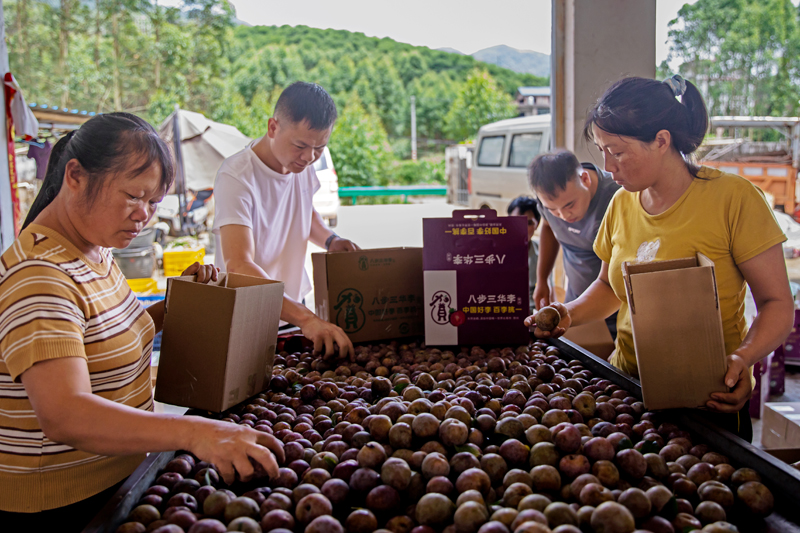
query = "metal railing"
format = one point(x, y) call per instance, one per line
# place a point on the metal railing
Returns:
point(393, 190)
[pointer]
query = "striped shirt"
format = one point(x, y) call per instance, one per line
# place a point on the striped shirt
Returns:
point(55, 302)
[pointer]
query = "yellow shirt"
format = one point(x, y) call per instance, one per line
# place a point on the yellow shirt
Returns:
point(721, 215)
point(55, 302)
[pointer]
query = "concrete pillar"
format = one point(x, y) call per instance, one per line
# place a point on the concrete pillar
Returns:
point(595, 43)
point(6, 206)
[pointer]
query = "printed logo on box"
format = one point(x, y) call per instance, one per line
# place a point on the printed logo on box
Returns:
point(349, 314)
point(442, 313)
point(440, 307)
point(365, 263)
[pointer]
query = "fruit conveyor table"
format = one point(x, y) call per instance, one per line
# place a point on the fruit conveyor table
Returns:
point(782, 479)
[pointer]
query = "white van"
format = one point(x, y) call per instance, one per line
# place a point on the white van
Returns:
point(503, 151)
point(326, 200)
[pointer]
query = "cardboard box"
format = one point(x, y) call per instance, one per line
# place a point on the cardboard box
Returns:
point(781, 425)
point(787, 455)
point(476, 279)
point(761, 390)
point(370, 294)
point(677, 331)
point(219, 340)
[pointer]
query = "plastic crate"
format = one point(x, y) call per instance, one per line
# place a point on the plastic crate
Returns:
point(176, 261)
point(144, 286)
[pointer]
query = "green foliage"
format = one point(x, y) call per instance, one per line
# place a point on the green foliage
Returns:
point(478, 102)
point(358, 145)
point(142, 57)
point(435, 93)
point(743, 54)
point(417, 172)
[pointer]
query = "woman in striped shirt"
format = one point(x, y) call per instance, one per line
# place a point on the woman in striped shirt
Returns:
point(76, 406)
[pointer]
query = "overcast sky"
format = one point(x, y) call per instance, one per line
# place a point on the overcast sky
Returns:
point(466, 25)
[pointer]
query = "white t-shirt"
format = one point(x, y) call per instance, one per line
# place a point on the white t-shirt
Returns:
point(276, 207)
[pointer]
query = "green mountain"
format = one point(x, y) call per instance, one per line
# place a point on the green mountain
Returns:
point(523, 61)
point(411, 61)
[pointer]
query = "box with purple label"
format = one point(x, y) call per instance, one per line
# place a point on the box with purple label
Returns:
point(476, 278)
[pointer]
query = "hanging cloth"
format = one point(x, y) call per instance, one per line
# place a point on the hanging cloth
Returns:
point(20, 117)
point(25, 123)
point(41, 155)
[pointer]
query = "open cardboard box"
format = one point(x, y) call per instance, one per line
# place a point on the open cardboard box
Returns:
point(371, 294)
point(677, 331)
point(219, 340)
point(781, 425)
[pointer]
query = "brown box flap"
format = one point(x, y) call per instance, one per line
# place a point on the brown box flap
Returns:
point(319, 262)
point(677, 330)
point(254, 325)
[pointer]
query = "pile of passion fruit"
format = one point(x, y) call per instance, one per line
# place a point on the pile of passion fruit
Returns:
point(409, 439)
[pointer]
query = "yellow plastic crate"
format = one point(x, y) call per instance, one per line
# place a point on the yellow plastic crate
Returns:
point(176, 261)
point(143, 285)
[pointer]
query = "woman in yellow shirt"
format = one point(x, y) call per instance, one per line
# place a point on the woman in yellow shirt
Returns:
point(669, 208)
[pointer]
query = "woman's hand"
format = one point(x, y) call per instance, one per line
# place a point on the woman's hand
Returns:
point(738, 378)
point(563, 324)
point(205, 273)
point(541, 295)
point(235, 449)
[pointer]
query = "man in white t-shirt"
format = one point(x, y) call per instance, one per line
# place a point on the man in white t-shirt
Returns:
point(264, 213)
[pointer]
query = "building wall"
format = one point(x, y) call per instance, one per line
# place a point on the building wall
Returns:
point(6, 207)
point(595, 43)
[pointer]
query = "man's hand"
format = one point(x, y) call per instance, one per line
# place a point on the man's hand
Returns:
point(342, 245)
point(738, 378)
point(563, 324)
point(324, 335)
point(541, 295)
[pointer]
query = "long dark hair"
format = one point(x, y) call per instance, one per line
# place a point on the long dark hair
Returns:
point(105, 145)
point(641, 107)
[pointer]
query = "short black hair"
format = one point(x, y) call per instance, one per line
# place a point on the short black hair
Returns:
point(551, 172)
point(525, 204)
point(303, 101)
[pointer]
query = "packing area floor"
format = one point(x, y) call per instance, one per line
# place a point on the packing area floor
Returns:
point(396, 225)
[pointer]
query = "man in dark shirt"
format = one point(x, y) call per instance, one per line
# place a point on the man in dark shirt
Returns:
point(573, 198)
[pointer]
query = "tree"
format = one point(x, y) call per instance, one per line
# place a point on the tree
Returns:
point(479, 102)
point(435, 94)
point(390, 97)
point(742, 54)
point(359, 146)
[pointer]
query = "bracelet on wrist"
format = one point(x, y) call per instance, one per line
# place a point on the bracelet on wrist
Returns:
point(329, 240)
